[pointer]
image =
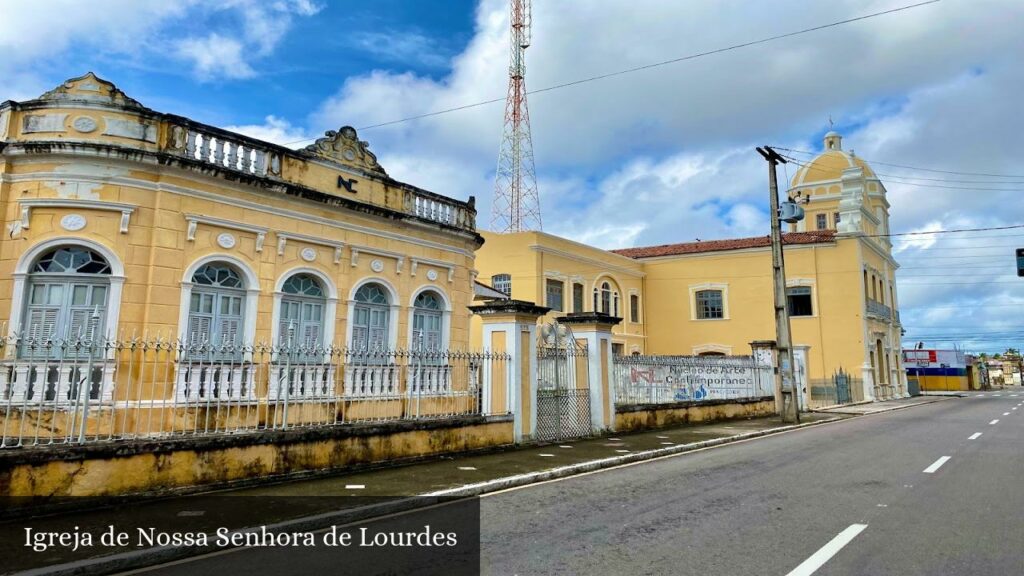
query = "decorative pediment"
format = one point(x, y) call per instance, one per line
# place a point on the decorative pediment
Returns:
point(90, 88)
point(344, 147)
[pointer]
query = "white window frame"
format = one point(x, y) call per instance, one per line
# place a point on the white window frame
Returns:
point(330, 319)
point(20, 284)
point(694, 288)
point(561, 306)
point(494, 283)
point(446, 315)
point(712, 347)
point(252, 296)
point(809, 283)
point(639, 311)
point(394, 310)
point(583, 297)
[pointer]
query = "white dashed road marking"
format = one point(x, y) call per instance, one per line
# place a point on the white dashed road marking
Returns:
point(467, 468)
point(1006, 413)
point(826, 552)
point(994, 422)
point(936, 465)
point(354, 486)
point(975, 436)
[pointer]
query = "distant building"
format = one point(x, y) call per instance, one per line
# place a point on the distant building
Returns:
point(937, 370)
point(715, 297)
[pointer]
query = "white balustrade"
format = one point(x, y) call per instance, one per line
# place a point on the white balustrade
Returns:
point(241, 155)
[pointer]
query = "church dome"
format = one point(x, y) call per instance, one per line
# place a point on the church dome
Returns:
point(829, 165)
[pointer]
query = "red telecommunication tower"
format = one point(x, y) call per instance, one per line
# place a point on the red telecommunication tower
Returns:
point(516, 206)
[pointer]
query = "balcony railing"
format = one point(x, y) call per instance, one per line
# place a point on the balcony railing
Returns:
point(879, 310)
point(223, 149)
point(440, 209)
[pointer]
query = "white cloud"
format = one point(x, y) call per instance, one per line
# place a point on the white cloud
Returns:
point(216, 57)
point(134, 32)
point(274, 129)
point(230, 53)
point(405, 46)
point(666, 155)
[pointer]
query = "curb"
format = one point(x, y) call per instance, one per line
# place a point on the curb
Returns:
point(152, 556)
point(932, 400)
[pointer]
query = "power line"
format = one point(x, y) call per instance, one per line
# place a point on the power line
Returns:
point(645, 67)
point(987, 174)
point(900, 180)
point(955, 231)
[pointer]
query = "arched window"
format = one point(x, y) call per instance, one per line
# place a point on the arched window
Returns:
point(215, 315)
point(67, 296)
point(371, 321)
point(502, 283)
point(302, 312)
point(606, 298)
point(427, 322)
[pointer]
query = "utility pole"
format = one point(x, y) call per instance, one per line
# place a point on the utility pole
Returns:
point(784, 341)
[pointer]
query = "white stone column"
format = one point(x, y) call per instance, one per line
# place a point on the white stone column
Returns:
point(510, 327)
point(596, 331)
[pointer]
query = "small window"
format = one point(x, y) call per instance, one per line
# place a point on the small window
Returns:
point(798, 301)
point(553, 291)
point(835, 218)
point(427, 322)
point(618, 349)
point(502, 283)
point(634, 308)
point(606, 298)
point(822, 221)
point(577, 298)
point(709, 304)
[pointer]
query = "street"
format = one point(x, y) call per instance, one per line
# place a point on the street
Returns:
point(767, 505)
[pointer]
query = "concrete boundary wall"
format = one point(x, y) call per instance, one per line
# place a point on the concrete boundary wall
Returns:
point(119, 468)
point(635, 418)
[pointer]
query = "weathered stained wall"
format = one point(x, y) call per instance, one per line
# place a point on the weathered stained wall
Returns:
point(144, 467)
point(650, 416)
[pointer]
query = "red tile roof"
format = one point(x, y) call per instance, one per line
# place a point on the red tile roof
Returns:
point(813, 237)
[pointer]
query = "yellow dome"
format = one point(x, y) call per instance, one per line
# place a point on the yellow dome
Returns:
point(829, 165)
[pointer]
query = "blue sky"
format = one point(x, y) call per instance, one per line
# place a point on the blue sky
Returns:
point(663, 155)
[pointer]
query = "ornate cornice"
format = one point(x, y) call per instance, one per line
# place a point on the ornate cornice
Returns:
point(345, 148)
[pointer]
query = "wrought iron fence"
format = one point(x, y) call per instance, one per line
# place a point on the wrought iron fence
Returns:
point(665, 379)
point(841, 388)
point(78, 391)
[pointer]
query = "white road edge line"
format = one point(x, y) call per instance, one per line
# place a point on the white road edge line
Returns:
point(994, 422)
point(826, 552)
point(975, 436)
point(936, 465)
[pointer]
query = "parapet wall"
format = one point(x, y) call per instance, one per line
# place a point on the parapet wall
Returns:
point(118, 468)
point(639, 417)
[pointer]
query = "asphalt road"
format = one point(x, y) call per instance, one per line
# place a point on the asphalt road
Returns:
point(846, 498)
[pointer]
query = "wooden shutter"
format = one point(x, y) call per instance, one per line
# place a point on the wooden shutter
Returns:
point(42, 323)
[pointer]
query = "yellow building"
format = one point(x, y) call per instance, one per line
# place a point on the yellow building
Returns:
point(566, 277)
point(715, 297)
point(125, 223)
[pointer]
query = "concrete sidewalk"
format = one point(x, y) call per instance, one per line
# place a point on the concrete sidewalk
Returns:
point(876, 407)
point(318, 502)
point(338, 498)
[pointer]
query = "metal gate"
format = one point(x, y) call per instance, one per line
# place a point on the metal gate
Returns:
point(842, 380)
point(563, 388)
